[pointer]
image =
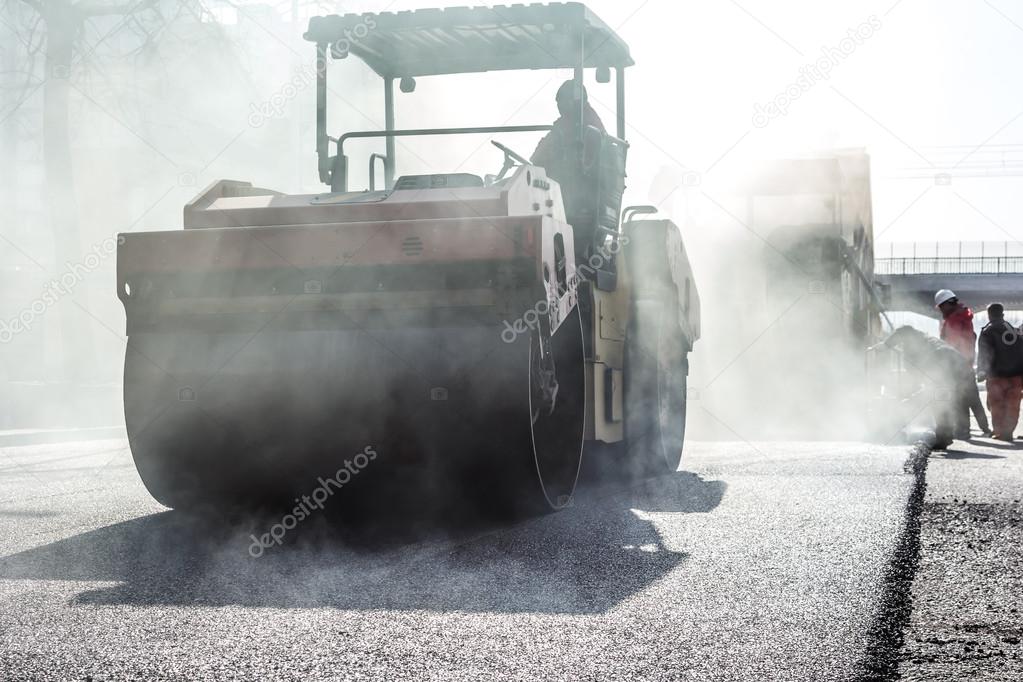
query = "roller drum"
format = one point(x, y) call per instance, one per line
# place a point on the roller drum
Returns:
point(242, 417)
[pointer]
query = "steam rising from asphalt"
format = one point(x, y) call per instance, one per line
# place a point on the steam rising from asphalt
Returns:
point(785, 326)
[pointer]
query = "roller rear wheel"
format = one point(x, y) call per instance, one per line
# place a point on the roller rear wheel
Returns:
point(557, 425)
point(530, 450)
point(656, 369)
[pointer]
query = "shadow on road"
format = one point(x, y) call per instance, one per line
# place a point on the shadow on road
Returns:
point(583, 560)
point(962, 454)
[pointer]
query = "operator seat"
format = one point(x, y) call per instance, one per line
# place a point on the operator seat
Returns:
point(593, 187)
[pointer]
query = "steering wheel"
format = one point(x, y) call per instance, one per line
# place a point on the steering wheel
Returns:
point(510, 159)
point(510, 153)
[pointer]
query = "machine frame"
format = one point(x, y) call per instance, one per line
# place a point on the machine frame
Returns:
point(262, 338)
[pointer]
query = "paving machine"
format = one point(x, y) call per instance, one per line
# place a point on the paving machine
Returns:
point(818, 309)
point(484, 327)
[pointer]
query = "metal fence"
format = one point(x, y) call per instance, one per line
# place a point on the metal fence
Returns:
point(1005, 249)
point(953, 265)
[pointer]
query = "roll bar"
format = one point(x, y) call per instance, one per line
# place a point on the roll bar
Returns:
point(328, 166)
point(337, 176)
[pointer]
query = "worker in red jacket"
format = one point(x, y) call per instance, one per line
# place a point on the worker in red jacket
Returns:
point(957, 331)
point(956, 324)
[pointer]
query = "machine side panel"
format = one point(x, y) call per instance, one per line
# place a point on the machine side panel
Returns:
point(657, 260)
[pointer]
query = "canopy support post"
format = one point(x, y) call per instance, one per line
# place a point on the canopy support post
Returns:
point(322, 141)
point(389, 161)
point(620, 85)
point(579, 89)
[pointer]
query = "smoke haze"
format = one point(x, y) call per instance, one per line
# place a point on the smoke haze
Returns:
point(182, 94)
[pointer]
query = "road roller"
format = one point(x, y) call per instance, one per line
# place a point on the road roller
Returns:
point(490, 329)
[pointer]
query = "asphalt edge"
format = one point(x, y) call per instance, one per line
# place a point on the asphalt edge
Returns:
point(880, 662)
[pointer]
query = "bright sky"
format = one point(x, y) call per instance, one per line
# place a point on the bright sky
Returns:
point(933, 81)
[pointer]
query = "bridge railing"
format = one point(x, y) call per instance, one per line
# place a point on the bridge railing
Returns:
point(951, 265)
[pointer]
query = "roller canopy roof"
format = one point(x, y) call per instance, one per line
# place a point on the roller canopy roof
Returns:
point(430, 42)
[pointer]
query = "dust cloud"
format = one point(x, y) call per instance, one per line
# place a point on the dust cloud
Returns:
point(783, 253)
point(145, 111)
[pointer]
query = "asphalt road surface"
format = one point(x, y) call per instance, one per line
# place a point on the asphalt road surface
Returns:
point(967, 620)
point(763, 561)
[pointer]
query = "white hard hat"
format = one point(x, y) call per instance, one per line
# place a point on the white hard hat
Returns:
point(943, 296)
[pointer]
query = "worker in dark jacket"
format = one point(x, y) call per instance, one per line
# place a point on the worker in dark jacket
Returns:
point(566, 151)
point(948, 374)
point(1000, 364)
point(563, 140)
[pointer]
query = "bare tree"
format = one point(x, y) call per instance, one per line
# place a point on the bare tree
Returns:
point(62, 23)
point(64, 49)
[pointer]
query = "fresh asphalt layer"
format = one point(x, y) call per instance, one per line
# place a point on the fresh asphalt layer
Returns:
point(757, 561)
point(967, 618)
